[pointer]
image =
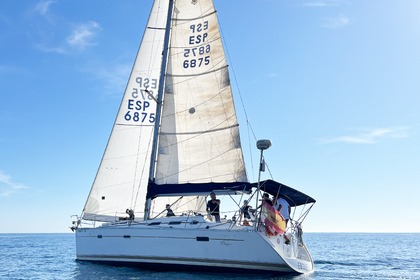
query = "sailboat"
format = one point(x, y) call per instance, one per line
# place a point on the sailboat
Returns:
point(175, 140)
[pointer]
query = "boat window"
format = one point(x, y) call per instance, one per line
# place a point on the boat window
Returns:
point(154, 224)
point(202, 238)
point(175, 223)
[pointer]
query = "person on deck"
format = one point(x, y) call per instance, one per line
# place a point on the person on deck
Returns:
point(130, 213)
point(213, 207)
point(245, 209)
point(266, 198)
point(284, 208)
point(169, 212)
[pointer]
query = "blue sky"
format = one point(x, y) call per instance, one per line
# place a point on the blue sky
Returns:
point(334, 84)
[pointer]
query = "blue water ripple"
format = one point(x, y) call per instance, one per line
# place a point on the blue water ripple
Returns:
point(336, 255)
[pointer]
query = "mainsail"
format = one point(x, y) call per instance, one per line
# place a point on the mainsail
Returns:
point(199, 135)
point(199, 142)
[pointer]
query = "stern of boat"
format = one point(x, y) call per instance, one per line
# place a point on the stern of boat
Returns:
point(291, 247)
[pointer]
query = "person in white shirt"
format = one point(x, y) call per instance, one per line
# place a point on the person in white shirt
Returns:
point(284, 208)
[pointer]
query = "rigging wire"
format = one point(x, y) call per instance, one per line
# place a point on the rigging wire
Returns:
point(249, 126)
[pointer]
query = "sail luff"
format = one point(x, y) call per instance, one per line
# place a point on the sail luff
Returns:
point(159, 102)
point(160, 90)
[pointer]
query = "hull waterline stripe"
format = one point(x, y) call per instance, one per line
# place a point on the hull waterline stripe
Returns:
point(187, 261)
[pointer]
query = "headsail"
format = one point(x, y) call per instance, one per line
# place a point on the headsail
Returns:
point(121, 181)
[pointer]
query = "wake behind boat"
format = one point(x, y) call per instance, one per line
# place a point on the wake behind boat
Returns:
point(176, 140)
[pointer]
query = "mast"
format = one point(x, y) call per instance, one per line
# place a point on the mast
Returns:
point(159, 102)
point(262, 145)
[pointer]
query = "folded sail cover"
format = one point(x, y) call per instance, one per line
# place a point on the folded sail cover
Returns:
point(203, 189)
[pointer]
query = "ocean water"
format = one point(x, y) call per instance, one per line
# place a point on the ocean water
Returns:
point(336, 255)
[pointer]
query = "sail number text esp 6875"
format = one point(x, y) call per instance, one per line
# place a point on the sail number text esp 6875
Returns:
point(138, 106)
point(197, 54)
point(139, 109)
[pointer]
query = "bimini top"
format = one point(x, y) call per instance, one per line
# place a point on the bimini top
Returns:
point(293, 197)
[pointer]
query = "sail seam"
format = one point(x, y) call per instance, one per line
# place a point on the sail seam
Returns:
point(198, 132)
point(199, 74)
point(189, 19)
point(130, 124)
point(156, 28)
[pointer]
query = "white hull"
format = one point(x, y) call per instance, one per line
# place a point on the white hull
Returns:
point(218, 247)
